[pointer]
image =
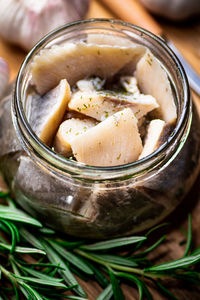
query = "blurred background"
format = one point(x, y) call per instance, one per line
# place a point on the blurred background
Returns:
point(23, 22)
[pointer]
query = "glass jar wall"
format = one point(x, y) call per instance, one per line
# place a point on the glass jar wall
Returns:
point(99, 202)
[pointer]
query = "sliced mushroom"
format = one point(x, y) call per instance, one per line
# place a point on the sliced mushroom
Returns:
point(47, 112)
point(67, 131)
point(108, 39)
point(102, 104)
point(77, 61)
point(115, 141)
point(153, 80)
point(70, 114)
point(157, 133)
point(129, 83)
point(91, 84)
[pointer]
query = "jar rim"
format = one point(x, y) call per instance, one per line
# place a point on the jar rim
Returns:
point(48, 157)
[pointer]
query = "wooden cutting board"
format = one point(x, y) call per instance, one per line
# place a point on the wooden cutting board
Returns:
point(187, 38)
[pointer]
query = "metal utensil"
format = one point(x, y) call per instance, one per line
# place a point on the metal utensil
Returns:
point(132, 11)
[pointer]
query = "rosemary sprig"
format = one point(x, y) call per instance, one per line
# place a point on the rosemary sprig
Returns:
point(35, 259)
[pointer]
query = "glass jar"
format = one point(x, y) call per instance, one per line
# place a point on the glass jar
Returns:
point(99, 202)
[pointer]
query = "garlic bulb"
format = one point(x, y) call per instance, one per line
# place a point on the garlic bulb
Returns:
point(24, 22)
point(4, 76)
point(173, 9)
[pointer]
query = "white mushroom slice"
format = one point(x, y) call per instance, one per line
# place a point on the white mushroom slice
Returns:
point(112, 142)
point(47, 112)
point(92, 104)
point(91, 84)
point(156, 135)
point(76, 61)
point(130, 84)
point(102, 104)
point(70, 114)
point(67, 131)
point(153, 80)
point(108, 39)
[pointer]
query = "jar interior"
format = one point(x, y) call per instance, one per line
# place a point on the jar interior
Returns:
point(79, 32)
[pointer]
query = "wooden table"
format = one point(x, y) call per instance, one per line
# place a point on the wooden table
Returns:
point(187, 38)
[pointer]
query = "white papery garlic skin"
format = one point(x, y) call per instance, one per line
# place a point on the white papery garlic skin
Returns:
point(25, 22)
point(4, 76)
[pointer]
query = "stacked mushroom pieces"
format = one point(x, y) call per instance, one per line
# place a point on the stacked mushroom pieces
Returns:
point(100, 106)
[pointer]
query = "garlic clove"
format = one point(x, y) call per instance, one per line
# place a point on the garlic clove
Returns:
point(47, 112)
point(153, 80)
point(25, 22)
point(67, 131)
point(4, 76)
point(51, 65)
point(115, 141)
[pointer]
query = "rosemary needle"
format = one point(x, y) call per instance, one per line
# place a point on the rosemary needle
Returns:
point(34, 259)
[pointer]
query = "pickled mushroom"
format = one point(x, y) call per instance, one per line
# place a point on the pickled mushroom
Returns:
point(112, 142)
point(47, 112)
point(111, 116)
point(67, 131)
point(102, 104)
point(157, 132)
point(153, 80)
point(52, 65)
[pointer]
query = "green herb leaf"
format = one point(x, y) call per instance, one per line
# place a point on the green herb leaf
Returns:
point(134, 279)
point(40, 281)
point(106, 294)
point(189, 236)
point(70, 245)
point(4, 228)
point(117, 291)
point(13, 234)
point(33, 293)
point(165, 291)
point(179, 263)
point(47, 230)
point(151, 248)
point(40, 275)
point(65, 272)
point(148, 233)
point(22, 249)
point(15, 288)
point(99, 276)
point(115, 259)
point(146, 292)
point(109, 244)
point(30, 238)
point(3, 194)
point(74, 297)
point(17, 215)
point(70, 257)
